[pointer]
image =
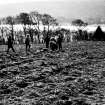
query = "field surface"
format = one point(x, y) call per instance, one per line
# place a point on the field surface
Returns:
point(73, 76)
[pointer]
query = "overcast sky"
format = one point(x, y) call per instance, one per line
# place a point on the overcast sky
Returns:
point(57, 8)
point(20, 1)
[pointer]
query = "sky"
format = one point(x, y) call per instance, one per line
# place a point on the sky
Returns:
point(57, 8)
point(22, 1)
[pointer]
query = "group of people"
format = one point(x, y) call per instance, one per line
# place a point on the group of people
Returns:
point(51, 42)
point(10, 43)
point(54, 43)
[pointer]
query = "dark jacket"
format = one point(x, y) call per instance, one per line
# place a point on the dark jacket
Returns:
point(27, 41)
point(10, 41)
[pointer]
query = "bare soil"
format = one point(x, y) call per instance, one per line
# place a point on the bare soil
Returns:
point(73, 76)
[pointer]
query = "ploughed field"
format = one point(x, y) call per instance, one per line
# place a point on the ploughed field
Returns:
point(73, 76)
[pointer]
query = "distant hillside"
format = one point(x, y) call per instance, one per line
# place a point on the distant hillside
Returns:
point(63, 20)
point(95, 20)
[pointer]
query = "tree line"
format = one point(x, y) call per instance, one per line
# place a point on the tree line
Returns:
point(33, 18)
point(36, 19)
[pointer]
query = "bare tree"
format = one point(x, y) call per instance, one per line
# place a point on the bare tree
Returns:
point(10, 21)
point(36, 20)
point(48, 21)
point(25, 20)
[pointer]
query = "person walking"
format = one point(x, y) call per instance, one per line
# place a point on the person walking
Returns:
point(59, 41)
point(47, 40)
point(10, 44)
point(27, 43)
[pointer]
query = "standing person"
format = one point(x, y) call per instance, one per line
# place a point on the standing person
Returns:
point(27, 42)
point(59, 41)
point(47, 40)
point(10, 44)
